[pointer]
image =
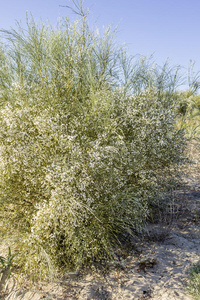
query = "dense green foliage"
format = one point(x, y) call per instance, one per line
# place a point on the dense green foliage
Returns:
point(88, 143)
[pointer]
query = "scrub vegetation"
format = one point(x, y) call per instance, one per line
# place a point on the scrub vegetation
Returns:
point(194, 285)
point(90, 143)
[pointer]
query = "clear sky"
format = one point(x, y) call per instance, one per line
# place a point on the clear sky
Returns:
point(167, 28)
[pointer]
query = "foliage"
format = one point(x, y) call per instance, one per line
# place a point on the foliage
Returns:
point(189, 113)
point(189, 105)
point(6, 262)
point(194, 284)
point(85, 152)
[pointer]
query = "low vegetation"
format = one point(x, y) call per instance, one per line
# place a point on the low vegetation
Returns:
point(194, 285)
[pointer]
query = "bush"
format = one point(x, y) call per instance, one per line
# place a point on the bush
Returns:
point(82, 159)
point(189, 111)
point(194, 284)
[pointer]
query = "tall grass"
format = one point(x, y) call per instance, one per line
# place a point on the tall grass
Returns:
point(88, 143)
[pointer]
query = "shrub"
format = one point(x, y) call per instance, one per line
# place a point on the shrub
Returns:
point(194, 284)
point(82, 159)
point(189, 111)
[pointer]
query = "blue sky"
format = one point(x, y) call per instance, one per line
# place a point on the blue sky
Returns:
point(167, 28)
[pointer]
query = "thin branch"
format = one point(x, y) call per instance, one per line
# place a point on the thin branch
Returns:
point(78, 8)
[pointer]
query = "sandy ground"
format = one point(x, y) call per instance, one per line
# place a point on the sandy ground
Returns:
point(157, 268)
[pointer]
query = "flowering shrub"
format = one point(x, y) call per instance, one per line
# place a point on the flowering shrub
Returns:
point(82, 160)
